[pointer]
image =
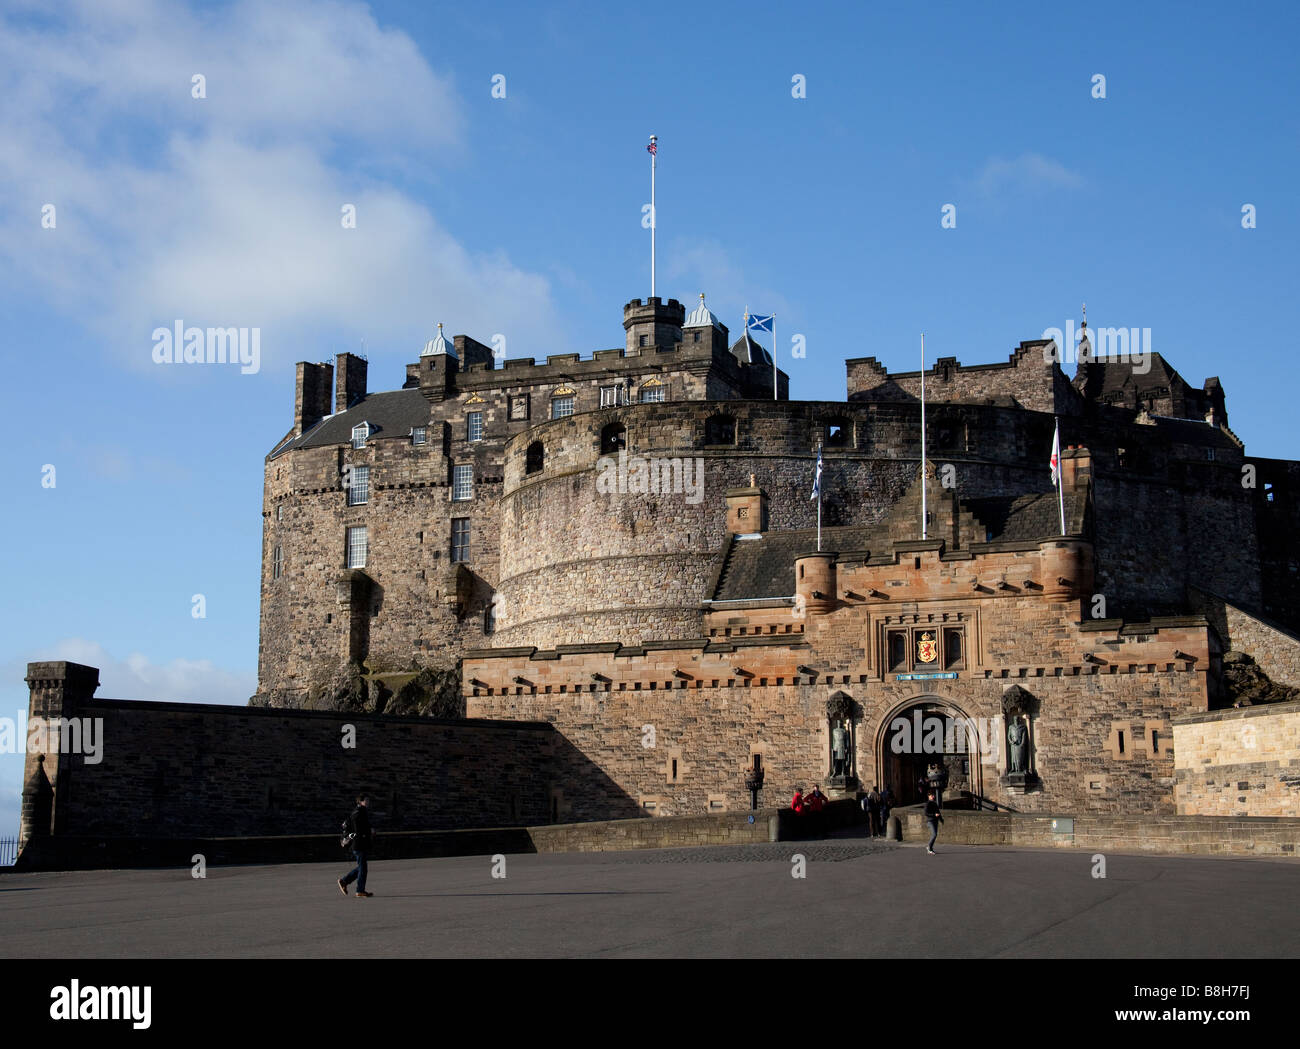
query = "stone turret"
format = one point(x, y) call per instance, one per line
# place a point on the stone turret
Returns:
point(654, 323)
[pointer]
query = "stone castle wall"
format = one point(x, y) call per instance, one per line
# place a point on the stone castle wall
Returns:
point(553, 560)
point(1243, 762)
point(178, 769)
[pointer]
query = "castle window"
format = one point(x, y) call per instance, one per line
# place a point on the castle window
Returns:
point(1268, 493)
point(613, 396)
point(644, 340)
point(358, 547)
point(838, 433)
point(277, 563)
point(562, 407)
point(612, 438)
point(462, 483)
point(1209, 454)
point(474, 426)
point(720, 429)
point(359, 434)
point(652, 394)
point(357, 482)
point(534, 458)
point(695, 336)
point(459, 539)
point(490, 617)
point(896, 645)
point(279, 512)
point(419, 435)
point(519, 407)
point(953, 650)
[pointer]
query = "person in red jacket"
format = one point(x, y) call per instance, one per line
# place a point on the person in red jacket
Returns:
point(816, 799)
point(797, 803)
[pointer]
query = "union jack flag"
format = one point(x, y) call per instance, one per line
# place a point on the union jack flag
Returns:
point(653, 148)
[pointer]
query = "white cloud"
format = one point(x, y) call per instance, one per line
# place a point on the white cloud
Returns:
point(1029, 171)
point(225, 211)
point(136, 677)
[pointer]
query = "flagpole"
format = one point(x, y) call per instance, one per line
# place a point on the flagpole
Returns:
point(774, 396)
point(1060, 473)
point(819, 500)
point(924, 507)
point(654, 215)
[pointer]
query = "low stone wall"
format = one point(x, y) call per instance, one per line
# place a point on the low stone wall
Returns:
point(1186, 835)
point(1241, 762)
point(86, 852)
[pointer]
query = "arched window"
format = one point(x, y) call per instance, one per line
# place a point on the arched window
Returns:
point(720, 429)
point(534, 458)
point(613, 438)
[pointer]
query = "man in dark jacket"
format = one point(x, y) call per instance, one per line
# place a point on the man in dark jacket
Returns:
point(933, 817)
point(359, 824)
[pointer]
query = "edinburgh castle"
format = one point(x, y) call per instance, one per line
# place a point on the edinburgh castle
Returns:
point(625, 546)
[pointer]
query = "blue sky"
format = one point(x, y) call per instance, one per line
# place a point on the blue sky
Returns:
point(521, 216)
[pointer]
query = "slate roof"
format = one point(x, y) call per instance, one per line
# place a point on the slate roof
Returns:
point(751, 354)
point(390, 414)
point(754, 569)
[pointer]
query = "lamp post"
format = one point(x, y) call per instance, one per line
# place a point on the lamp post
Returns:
point(753, 784)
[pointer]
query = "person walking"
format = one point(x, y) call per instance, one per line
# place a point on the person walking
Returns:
point(933, 817)
point(886, 803)
point(873, 811)
point(363, 837)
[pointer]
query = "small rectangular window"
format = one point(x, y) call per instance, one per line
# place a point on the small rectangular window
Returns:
point(474, 426)
point(359, 434)
point(612, 396)
point(519, 406)
point(459, 539)
point(651, 394)
point(462, 487)
point(357, 481)
point(277, 563)
point(419, 435)
point(561, 407)
point(358, 547)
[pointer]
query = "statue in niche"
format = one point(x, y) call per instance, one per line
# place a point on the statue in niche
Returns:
point(839, 750)
point(1017, 747)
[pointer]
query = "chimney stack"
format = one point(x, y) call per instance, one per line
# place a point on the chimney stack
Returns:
point(349, 380)
point(312, 399)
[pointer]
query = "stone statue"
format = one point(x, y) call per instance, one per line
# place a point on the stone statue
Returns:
point(839, 750)
point(1017, 747)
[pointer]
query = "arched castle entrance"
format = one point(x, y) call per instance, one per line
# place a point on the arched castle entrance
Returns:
point(922, 730)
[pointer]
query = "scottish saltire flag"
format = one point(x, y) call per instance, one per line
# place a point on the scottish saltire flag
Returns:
point(760, 323)
point(1056, 456)
point(817, 479)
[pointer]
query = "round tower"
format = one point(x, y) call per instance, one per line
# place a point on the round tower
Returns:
point(814, 582)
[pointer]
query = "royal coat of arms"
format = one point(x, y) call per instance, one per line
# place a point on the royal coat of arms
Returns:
point(927, 649)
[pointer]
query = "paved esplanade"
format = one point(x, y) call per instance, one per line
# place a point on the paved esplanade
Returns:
point(858, 898)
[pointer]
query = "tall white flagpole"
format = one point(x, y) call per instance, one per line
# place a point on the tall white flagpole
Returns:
point(1060, 472)
point(654, 214)
point(924, 506)
point(819, 499)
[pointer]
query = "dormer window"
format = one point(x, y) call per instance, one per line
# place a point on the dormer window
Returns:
point(419, 434)
point(359, 434)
